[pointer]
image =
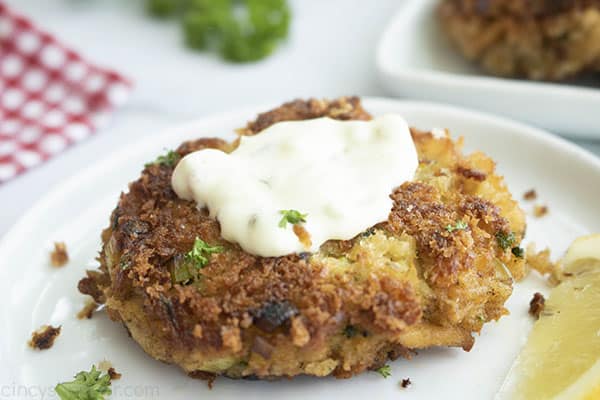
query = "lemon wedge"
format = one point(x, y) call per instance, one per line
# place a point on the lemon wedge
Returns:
point(561, 359)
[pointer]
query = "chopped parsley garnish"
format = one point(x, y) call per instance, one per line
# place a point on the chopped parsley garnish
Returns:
point(518, 252)
point(350, 331)
point(291, 216)
point(459, 226)
point(385, 371)
point(186, 268)
point(240, 30)
point(200, 253)
point(183, 271)
point(87, 385)
point(169, 159)
point(505, 240)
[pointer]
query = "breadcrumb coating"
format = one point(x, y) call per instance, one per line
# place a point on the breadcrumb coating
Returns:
point(534, 39)
point(404, 284)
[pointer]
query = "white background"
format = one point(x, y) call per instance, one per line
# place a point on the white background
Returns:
point(330, 52)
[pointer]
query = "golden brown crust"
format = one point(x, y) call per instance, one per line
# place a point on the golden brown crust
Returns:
point(344, 108)
point(520, 8)
point(406, 283)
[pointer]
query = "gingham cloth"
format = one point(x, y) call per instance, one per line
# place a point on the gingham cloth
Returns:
point(50, 97)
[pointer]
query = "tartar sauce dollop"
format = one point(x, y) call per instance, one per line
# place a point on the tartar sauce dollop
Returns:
point(338, 174)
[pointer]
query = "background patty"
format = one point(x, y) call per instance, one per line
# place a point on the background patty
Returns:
point(540, 39)
point(407, 283)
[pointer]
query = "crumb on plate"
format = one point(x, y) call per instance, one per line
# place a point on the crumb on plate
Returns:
point(540, 261)
point(88, 309)
point(59, 256)
point(405, 383)
point(209, 377)
point(44, 337)
point(529, 195)
point(106, 366)
point(113, 374)
point(540, 210)
point(536, 305)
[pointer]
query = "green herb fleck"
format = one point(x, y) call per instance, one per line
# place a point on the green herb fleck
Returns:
point(183, 271)
point(200, 253)
point(291, 216)
point(518, 252)
point(350, 331)
point(385, 371)
point(505, 240)
point(459, 226)
point(87, 386)
point(368, 232)
point(124, 264)
point(186, 267)
point(169, 159)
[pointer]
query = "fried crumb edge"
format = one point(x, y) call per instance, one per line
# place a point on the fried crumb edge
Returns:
point(530, 195)
point(106, 366)
point(43, 338)
point(540, 210)
point(87, 311)
point(209, 377)
point(541, 262)
point(59, 256)
point(113, 374)
point(536, 305)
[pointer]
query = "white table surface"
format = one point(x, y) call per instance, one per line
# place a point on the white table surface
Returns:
point(330, 53)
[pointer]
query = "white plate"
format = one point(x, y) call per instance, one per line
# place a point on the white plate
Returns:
point(34, 293)
point(416, 60)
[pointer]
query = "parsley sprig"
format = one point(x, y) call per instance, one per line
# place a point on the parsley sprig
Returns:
point(505, 240)
point(459, 226)
point(186, 268)
point(385, 371)
point(87, 385)
point(291, 216)
point(240, 30)
point(169, 159)
point(200, 253)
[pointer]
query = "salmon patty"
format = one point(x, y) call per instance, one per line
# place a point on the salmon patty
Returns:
point(432, 274)
point(534, 39)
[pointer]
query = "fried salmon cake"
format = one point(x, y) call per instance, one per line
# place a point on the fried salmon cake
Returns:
point(534, 39)
point(432, 274)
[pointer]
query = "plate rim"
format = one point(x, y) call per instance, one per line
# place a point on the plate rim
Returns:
point(479, 81)
point(560, 107)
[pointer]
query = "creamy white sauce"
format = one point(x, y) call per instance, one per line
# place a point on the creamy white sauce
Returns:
point(340, 173)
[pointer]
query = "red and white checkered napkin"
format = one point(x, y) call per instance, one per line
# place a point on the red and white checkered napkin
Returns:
point(50, 97)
